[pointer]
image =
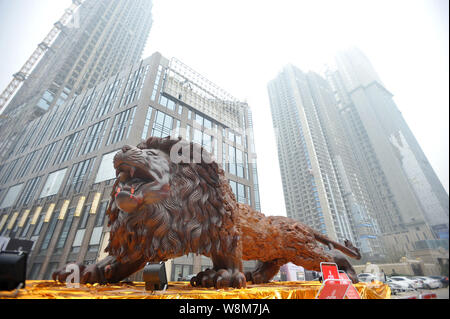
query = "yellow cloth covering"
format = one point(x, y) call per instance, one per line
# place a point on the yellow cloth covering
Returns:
point(42, 289)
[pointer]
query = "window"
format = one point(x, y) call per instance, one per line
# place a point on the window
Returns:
point(63, 121)
point(167, 103)
point(68, 146)
point(11, 196)
point(239, 163)
point(232, 159)
point(96, 236)
point(197, 136)
point(106, 170)
point(108, 99)
point(231, 136)
point(53, 183)
point(81, 230)
point(241, 193)
point(256, 187)
point(26, 227)
point(30, 189)
point(100, 215)
point(39, 224)
point(83, 111)
point(46, 100)
point(65, 231)
point(132, 88)
point(224, 157)
point(188, 132)
point(94, 137)
point(176, 130)
point(147, 123)
point(121, 126)
point(45, 157)
point(238, 139)
point(181, 271)
point(207, 123)
point(238, 191)
point(247, 172)
point(9, 170)
point(79, 174)
point(29, 134)
point(163, 124)
point(155, 86)
point(49, 233)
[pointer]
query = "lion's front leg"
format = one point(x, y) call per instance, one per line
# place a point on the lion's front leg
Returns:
point(108, 270)
point(226, 272)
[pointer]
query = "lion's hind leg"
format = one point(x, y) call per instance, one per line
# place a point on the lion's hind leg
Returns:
point(264, 271)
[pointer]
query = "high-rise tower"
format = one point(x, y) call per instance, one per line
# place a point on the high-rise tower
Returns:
point(410, 202)
point(104, 37)
point(319, 186)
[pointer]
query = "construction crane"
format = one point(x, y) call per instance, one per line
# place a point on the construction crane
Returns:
point(42, 47)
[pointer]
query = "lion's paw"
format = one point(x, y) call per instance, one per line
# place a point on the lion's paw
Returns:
point(219, 279)
point(255, 277)
point(86, 275)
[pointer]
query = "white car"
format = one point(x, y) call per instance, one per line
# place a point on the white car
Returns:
point(366, 277)
point(429, 283)
point(412, 284)
point(397, 286)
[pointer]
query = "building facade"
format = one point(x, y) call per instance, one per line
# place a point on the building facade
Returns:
point(320, 181)
point(56, 185)
point(410, 202)
point(103, 38)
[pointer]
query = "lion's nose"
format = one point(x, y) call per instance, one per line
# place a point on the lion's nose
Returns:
point(126, 148)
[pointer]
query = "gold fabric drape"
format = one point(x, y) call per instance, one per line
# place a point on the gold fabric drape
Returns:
point(42, 289)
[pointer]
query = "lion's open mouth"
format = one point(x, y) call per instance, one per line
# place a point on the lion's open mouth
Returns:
point(125, 172)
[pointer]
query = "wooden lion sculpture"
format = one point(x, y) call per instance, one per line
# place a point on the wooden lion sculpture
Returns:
point(161, 209)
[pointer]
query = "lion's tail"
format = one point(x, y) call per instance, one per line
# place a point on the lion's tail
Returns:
point(348, 249)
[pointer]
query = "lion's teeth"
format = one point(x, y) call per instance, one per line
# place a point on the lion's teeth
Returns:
point(132, 170)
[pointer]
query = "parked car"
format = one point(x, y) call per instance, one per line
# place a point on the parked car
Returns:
point(419, 283)
point(442, 279)
point(397, 286)
point(366, 277)
point(429, 283)
point(412, 284)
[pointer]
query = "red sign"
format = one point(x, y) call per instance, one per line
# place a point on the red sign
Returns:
point(333, 289)
point(352, 292)
point(329, 271)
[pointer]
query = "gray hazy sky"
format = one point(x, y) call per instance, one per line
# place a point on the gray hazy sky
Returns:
point(242, 44)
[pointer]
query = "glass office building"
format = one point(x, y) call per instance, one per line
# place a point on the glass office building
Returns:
point(56, 184)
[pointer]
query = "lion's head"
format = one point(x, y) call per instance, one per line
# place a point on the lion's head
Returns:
point(161, 208)
point(143, 177)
